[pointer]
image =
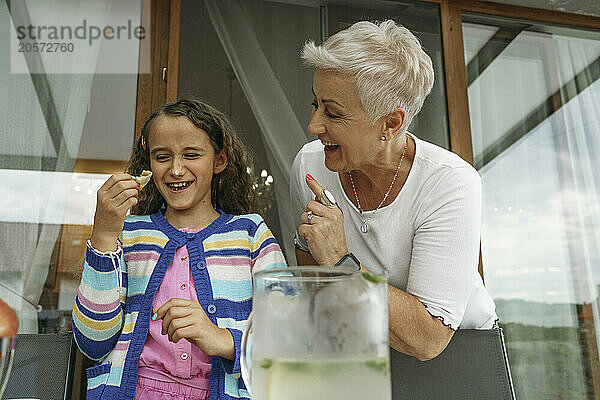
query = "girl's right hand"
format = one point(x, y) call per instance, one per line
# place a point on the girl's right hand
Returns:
point(118, 194)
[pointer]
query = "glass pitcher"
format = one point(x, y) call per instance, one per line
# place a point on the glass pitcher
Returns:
point(317, 333)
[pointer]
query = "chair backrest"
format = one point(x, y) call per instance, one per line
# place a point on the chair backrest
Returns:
point(473, 366)
point(43, 367)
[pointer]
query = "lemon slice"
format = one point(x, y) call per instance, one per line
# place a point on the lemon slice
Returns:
point(143, 179)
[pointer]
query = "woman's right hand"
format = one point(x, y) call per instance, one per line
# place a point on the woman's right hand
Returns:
point(118, 194)
point(324, 230)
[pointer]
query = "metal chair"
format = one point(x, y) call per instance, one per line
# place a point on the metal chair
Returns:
point(473, 366)
point(43, 367)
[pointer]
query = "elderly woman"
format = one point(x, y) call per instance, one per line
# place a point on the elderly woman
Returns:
point(404, 206)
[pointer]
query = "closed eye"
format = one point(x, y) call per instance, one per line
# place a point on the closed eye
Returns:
point(190, 156)
point(330, 115)
point(161, 157)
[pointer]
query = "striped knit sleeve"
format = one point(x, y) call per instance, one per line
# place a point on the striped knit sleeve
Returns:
point(98, 311)
point(266, 253)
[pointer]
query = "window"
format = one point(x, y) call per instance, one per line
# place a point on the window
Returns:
point(533, 97)
point(62, 135)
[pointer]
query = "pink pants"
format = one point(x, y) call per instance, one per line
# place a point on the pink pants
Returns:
point(151, 389)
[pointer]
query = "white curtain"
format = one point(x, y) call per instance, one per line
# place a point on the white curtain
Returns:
point(282, 134)
point(582, 124)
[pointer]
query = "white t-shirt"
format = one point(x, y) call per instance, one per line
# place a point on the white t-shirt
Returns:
point(427, 239)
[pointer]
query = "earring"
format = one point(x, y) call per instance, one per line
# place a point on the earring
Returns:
point(383, 138)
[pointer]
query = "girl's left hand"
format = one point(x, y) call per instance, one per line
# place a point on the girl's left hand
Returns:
point(324, 230)
point(185, 319)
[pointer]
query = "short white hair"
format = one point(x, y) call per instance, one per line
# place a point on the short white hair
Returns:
point(389, 67)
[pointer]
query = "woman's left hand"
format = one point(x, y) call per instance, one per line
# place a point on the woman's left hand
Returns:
point(324, 230)
point(185, 319)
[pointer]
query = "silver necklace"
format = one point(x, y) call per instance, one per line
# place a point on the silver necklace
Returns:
point(364, 228)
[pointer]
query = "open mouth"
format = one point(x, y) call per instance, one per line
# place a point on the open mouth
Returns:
point(330, 146)
point(178, 186)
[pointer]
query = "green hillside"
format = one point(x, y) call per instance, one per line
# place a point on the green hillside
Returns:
point(546, 363)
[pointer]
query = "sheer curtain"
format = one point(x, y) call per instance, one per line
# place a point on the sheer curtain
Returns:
point(282, 132)
point(43, 117)
point(581, 122)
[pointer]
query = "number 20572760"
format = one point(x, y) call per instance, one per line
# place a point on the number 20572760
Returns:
point(46, 47)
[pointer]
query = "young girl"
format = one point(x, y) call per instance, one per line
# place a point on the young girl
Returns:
point(165, 294)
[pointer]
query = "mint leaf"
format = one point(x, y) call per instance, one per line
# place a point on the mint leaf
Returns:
point(374, 278)
point(379, 364)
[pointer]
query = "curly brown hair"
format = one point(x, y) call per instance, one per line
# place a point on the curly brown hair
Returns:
point(231, 189)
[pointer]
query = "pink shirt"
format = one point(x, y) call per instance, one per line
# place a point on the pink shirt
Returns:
point(161, 359)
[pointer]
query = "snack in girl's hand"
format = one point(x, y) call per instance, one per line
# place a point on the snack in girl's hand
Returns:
point(143, 179)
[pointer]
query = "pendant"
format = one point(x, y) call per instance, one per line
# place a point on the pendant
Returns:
point(364, 228)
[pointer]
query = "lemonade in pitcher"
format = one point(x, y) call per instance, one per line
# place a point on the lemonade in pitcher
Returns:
point(343, 379)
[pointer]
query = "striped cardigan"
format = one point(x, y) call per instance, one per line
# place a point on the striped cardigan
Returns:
point(110, 323)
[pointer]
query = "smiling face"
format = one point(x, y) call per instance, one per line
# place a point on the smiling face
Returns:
point(340, 121)
point(183, 162)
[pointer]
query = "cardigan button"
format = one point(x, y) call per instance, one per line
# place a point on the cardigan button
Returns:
point(200, 265)
point(211, 309)
point(190, 236)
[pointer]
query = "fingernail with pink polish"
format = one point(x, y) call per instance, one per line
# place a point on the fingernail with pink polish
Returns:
point(309, 177)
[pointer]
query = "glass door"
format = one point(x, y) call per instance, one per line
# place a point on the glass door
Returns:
point(68, 114)
point(534, 95)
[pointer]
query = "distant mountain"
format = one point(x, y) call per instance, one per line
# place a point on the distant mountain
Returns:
point(536, 313)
